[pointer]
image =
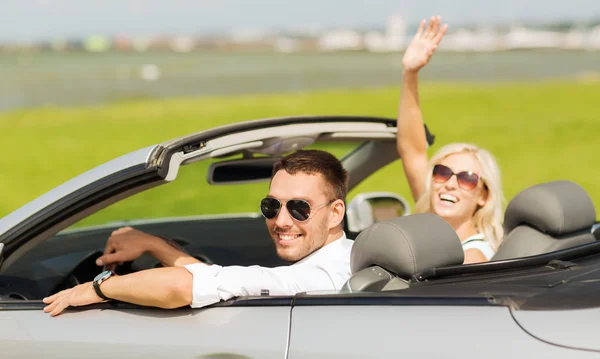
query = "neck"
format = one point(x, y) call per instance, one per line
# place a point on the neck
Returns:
point(464, 229)
point(334, 234)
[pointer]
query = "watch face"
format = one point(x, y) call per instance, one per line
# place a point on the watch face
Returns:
point(102, 276)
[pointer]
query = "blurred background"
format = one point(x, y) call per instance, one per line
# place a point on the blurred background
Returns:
point(84, 82)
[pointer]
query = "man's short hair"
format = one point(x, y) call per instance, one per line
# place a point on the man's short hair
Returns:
point(317, 162)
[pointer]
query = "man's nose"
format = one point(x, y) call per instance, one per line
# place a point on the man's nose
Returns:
point(284, 220)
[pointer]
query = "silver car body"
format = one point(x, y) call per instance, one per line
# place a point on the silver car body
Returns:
point(470, 321)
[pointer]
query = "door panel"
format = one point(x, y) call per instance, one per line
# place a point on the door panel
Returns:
point(219, 332)
point(551, 326)
point(414, 332)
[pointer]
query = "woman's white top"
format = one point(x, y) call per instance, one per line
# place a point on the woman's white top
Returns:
point(476, 241)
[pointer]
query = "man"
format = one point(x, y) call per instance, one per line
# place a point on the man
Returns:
point(304, 213)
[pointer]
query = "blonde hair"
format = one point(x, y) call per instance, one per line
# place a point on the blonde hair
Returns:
point(487, 219)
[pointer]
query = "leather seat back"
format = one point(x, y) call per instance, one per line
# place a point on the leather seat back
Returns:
point(388, 253)
point(546, 218)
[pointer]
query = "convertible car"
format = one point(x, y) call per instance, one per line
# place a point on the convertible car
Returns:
point(409, 295)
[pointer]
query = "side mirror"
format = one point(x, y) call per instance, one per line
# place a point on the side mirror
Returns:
point(368, 208)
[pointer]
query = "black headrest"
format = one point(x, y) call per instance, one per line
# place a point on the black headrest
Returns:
point(407, 245)
point(555, 208)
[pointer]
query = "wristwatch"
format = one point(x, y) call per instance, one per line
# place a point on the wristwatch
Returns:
point(100, 278)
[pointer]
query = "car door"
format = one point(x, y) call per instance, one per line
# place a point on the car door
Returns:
point(235, 329)
point(383, 327)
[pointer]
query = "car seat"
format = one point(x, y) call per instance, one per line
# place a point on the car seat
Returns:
point(546, 218)
point(388, 253)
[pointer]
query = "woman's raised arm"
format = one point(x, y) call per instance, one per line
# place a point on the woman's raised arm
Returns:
point(411, 139)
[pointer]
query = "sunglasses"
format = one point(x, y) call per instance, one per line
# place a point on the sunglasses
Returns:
point(466, 179)
point(299, 209)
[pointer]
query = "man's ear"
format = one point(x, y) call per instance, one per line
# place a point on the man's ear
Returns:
point(337, 212)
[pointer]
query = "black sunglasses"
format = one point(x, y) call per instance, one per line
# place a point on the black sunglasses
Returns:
point(466, 179)
point(299, 209)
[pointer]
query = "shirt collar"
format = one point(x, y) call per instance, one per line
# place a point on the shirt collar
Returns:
point(326, 248)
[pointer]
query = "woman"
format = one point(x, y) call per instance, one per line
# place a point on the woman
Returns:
point(461, 182)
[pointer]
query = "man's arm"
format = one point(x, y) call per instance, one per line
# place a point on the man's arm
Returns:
point(199, 285)
point(161, 287)
point(170, 256)
point(216, 283)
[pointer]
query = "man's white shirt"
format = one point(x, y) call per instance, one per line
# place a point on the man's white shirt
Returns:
point(325, 269)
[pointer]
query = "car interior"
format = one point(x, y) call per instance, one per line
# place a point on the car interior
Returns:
point(546, 218)
point(391, 252)
point(544, 223)
point(388, 253)
point(67, 257)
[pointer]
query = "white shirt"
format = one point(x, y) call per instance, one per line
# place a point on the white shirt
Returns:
point(328, 268)
point(477, 241)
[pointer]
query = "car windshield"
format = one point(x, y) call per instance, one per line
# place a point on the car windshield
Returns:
point(191, 195)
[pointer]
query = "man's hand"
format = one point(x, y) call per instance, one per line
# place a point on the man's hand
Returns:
point(158, 287)
point(83, 294)
point(423, 44)
point(124, 245)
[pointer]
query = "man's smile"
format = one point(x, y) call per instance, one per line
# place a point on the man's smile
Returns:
point(287, 238)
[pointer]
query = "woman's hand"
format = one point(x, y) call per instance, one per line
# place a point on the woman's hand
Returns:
point(423, 44)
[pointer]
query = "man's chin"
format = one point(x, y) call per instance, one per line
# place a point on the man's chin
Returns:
point(288, 255)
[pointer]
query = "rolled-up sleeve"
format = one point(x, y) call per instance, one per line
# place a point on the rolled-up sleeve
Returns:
point(214, 283)
point(204, 284)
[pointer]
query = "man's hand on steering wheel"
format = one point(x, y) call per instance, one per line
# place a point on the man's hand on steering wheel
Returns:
point(127, 244)
point(124, 245)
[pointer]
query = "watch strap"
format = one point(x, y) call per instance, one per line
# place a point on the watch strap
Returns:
point(96, 286)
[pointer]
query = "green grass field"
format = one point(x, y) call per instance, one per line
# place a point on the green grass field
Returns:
point(538, 131)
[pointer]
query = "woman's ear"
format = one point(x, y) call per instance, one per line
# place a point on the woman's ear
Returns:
point(483, 197)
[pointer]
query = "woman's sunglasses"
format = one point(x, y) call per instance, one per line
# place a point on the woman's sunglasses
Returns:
point(299, 209)
point(466, 179)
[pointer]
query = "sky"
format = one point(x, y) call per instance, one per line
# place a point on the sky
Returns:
point(46, 19)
